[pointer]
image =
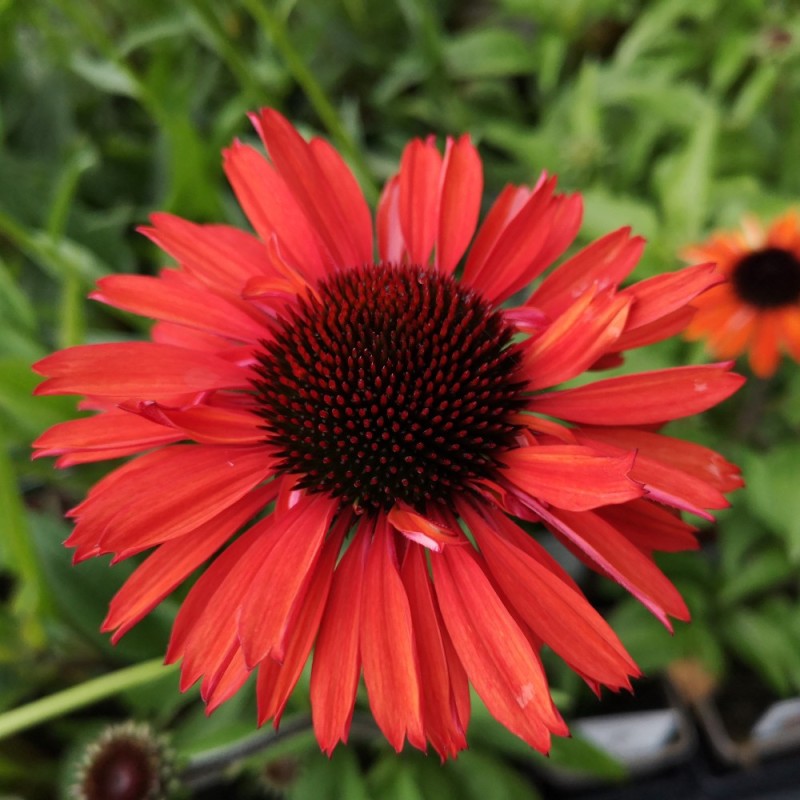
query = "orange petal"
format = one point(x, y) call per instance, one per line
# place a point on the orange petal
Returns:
point(337, 661)
point(558, 614)
point(643, 398)
point(419, 528)
point(439, 689)
point(387, 645)
point(498, 658)
point(571, 476)
point(265, 613)
point(276, 681)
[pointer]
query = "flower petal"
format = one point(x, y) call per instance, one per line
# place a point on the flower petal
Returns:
point(604, 547)
point(444, 687)
point(264, 617)
point(100, 435)
point(644, 398)
point(498, 658)
point(574, 340)
point(326, 209)
point(177, 490)
point(419, 528)
point(460, 201)
point(337, 660)
point(272, 209)
point(387, 645)
point(179, 303)
point(206, 424)
point(277, 680)
point(602, 264)
point(160, 573)
point(136, 369)
point(419, 182)
point(556, 612)
point(571, 476)
point(221, 257)
point(391, 244)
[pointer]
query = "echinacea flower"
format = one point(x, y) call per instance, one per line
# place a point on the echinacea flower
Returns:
point(757, 310)
point(359, 431)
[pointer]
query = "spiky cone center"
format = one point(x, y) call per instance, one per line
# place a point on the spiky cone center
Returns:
point(390, 383)
point(127, 762)
point(768, 278)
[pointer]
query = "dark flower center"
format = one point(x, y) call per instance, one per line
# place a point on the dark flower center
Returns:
point(124, 770)
point(768, 278)
point(391, 383)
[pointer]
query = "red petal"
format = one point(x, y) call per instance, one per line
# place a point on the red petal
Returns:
point(614, 554)
point(337, 662)
point(558, 614)
point(174, 561)
point(276, 681)
point(574, 340)
point(136, 369)
point(510, 263)
point(440, 706)
point(419, 528)
point(651, 527)
point(348, 192)
point(227, 684)
point(603, 264)
point(419, 182)
point(700, 462)
point(328, 212)
point(497, 656)
point(207, 424)
point(387, 645)
point(460, 203)
point(644, 398)
point(298, 535)
point(204, 633)
point(109, 431)
point(503, 210)
point(570, 476)
point(164, 495)
point(181, 304)
point(222, 257)
point(273, 210)
point(390, 236)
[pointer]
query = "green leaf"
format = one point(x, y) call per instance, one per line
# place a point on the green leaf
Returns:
point(772, 493)
point(761, 572)
point(488, 52)
point(484, 776)
point(682, 179)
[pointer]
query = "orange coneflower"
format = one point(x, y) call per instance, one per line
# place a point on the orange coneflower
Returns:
point(758, 309)
point(357, 431)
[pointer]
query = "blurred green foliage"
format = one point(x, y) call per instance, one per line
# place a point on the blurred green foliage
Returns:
point(672, 116)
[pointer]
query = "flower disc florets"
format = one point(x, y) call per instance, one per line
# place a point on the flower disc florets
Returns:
point(390, 383)
point(768, 278)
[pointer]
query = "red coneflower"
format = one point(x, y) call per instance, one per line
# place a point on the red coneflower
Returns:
point(758, 309)
point(357, 432)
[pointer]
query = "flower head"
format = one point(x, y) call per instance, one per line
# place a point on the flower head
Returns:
point(347, 433)
point(758, 309)
point(126, 762)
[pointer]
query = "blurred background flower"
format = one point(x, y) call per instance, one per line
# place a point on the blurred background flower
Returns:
point(675, 118)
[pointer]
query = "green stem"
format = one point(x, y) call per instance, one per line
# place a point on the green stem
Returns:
point(264, 14)
point(84, 694)
point(295, 734)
